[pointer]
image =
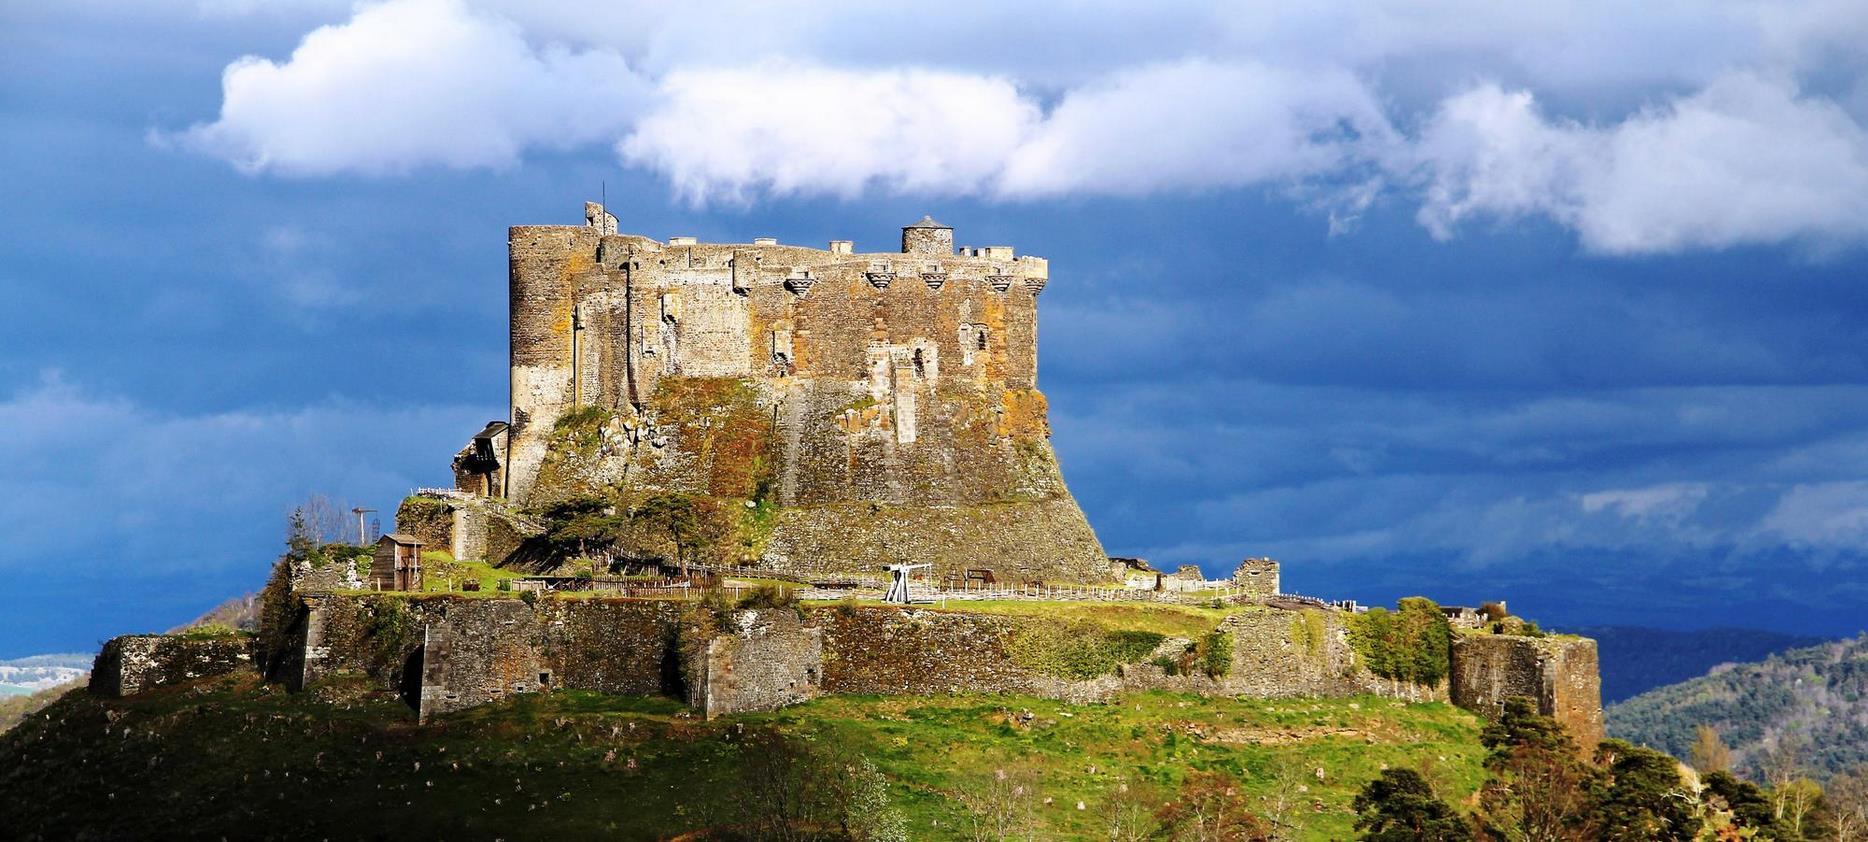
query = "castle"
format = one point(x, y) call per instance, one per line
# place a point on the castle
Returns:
point(824, 413)
point(883, 405)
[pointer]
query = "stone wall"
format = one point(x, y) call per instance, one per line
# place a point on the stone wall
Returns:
point(451, 653)
point(467, 528)
point(135, 663)
point(771, 660)
point(896, 394)
point(1560, 673)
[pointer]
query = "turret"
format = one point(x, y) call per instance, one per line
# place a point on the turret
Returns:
point(927, 237)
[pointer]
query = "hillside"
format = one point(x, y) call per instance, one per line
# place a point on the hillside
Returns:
point(24, 676)
point(233, 757)
point(1817, 693)
point(1636, 659)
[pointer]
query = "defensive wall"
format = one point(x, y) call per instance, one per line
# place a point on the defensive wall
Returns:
point(451, 653)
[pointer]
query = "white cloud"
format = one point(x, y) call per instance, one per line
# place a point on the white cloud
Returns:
point(411, 83)
point(1646, 128)
point(787, 129)
point(1745, 160)
point(1197, 125)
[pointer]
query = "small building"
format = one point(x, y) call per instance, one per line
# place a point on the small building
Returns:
point(1257, 577)
point(398, 563)
point(478, 467)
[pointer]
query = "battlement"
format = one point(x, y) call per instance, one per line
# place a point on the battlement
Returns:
point(989, 264)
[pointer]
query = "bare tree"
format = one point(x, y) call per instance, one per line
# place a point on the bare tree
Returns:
point(1128, 814)
point(1793, 796)
point(1004, 805)
point(317, 521)
point(1848, 797)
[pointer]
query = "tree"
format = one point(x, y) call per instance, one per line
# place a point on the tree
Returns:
point(1540, 788)
point(1709, 753)
point(1399, 806)
point(1848, 800)
point(1795, 799)
point(1211, 807)
point(1646, 798)
point(1004, 804)
point(1746, 803)
point(867, 814)
point(1128, 814)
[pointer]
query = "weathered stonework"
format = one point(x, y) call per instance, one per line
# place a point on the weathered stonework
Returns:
point(467, 528)
point(1561, 673)
point(884, 421)
point(138, 662)
point(452, 653)
point(771, 660)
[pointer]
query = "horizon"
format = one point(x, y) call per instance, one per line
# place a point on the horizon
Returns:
point(1464, 316)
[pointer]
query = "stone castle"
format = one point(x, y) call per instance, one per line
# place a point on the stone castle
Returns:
point(827, 413)
point(883, 405)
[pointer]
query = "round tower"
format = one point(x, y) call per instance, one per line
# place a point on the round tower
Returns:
point(927, 237)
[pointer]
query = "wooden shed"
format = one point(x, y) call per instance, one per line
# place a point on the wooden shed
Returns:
point(398, 563)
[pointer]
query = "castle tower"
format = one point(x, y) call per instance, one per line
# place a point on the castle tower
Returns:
point(882, 406)
point(927, 237)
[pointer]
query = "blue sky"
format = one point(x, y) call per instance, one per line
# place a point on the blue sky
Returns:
point(1560, 305)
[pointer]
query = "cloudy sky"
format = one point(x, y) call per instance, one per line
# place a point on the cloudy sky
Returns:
point(1565, 303)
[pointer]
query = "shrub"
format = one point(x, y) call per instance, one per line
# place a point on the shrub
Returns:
point(1216, 653)
point(1412, 643)
point(770, 596)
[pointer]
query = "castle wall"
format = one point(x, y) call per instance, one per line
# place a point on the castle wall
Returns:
point(137, 663)
point(1561, 673)
point(474, 651)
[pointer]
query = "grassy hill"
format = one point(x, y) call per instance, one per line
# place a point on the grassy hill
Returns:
point(1637, 659)
point(1817, 695)
point(233, 757)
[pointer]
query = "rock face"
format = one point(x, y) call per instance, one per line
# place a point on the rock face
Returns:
point(1560, 673)
point(866, 421)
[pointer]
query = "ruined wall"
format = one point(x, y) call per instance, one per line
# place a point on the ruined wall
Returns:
point(1561, 673)
point(134, 663)
point(451, 653)
point(877, 381)
point(473, 528)
point(771, 660)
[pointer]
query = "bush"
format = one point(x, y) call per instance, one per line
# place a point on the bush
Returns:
point(770, 596)
point(1216, 653)
point(1413, 643)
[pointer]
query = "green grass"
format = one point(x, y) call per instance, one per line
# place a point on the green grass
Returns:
point(232, 757)
point(1167, 619)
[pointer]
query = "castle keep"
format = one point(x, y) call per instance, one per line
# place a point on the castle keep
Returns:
point(871, 407)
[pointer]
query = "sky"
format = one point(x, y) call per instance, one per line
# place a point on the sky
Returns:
point(1561, 304)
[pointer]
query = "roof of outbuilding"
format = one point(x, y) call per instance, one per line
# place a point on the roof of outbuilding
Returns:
point(401, 538)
